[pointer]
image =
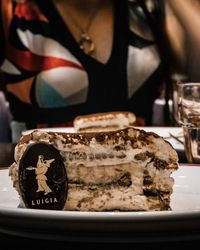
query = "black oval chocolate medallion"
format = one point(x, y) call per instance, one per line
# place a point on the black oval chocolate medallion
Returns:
point(42, 177)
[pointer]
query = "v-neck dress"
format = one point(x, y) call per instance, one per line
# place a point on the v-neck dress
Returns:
point(50, 80)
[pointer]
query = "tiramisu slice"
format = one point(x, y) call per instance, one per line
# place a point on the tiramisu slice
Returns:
point(123, 170)
point(104, 121)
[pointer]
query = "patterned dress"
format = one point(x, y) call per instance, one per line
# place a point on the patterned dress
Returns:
point(49, 79)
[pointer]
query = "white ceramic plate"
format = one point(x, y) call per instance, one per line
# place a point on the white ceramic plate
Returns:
point(162, 131)
point(165, 132)
point(183, 222)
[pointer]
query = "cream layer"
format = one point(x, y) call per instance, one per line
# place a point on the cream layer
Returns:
point(114, 198)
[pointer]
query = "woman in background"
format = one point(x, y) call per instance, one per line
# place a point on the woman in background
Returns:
point(63, 58)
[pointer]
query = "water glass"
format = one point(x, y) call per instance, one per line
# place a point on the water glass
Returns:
point(192, 143)
point(188, 100)
point(188, 115)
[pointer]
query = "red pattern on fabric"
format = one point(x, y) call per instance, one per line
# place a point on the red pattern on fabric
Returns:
point(34, 63)
point(29, 11)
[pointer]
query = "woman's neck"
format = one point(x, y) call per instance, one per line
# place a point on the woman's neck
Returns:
point(96, 17)
point(81, 5)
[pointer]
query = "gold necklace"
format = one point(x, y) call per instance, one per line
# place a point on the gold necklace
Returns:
point(86, 43)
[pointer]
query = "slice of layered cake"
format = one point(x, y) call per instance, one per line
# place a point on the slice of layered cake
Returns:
point(104, 121)
point(123, 170)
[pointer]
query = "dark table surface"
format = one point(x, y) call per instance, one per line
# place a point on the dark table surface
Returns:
point(7, 158)
point(25, 243)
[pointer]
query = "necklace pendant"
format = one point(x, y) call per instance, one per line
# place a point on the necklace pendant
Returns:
point(86, 43)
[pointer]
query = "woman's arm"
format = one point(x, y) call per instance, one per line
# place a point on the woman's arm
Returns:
point(183, 27)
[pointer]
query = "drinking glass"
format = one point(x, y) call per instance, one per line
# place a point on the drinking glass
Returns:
point(177, 81)
point(188, 100)
point(192, 143)
point(188, 115)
